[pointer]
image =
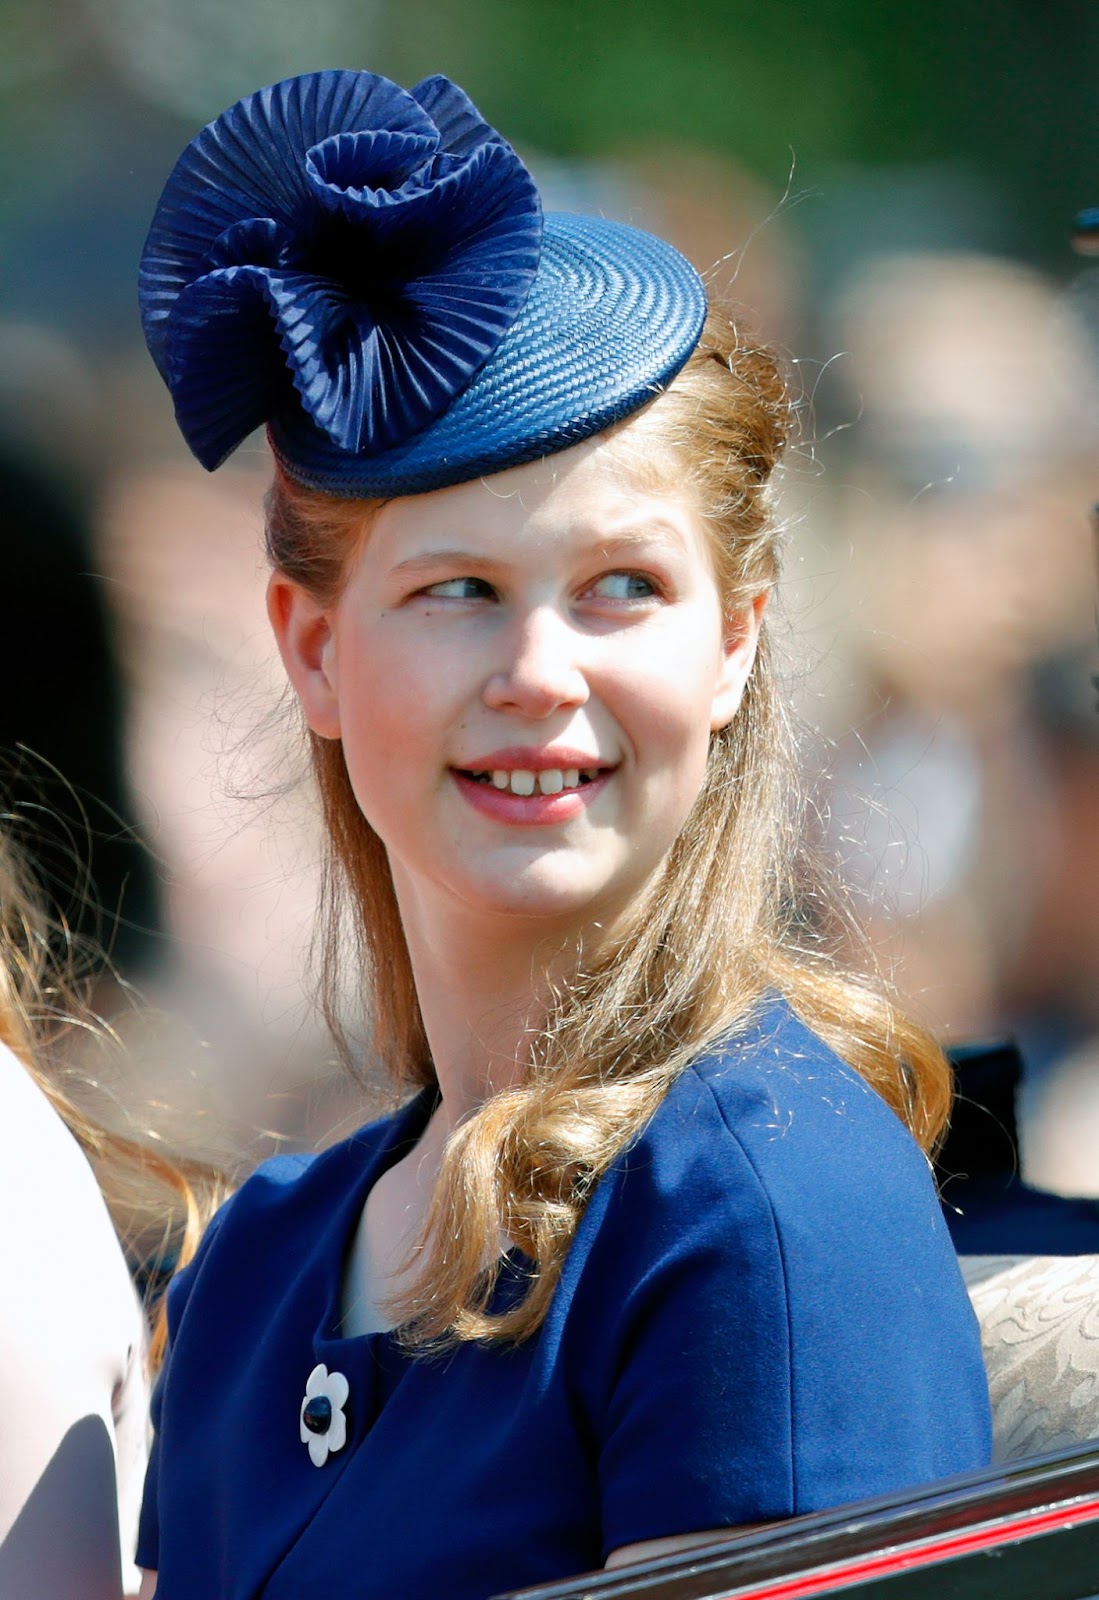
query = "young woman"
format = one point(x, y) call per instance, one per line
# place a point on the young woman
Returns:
point(653, 1249)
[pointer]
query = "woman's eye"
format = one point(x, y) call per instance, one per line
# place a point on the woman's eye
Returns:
point(624, 586)
point(459, 589)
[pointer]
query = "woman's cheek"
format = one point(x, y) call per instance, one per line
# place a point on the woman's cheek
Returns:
point(673, 705)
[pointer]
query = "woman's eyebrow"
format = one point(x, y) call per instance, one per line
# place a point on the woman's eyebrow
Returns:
point(445, 557)
point(658, 530)
point(632, 536)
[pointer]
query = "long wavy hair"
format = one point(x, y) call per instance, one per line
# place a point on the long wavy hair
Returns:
point(158, 1203)
point(740, 906)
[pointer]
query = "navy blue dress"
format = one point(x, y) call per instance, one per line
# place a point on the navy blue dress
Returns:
point(760, 1315)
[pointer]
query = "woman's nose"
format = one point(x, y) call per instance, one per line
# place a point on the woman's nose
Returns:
point(540, 669)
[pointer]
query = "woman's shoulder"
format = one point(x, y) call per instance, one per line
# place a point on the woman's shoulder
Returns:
point(772, 1079)
point(771, 1118)
point(773, 1170)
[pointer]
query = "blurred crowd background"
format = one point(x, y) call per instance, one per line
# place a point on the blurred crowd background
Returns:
point(891, 191)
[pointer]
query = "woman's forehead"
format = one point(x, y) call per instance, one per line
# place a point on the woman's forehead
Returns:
point(602, 488)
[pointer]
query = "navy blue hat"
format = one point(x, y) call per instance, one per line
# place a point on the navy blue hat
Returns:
point(368, 271)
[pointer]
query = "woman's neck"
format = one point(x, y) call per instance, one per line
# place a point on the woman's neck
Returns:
point(480, 999)
point(484, 983)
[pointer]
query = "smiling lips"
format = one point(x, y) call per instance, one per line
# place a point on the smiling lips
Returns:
point(521, 786)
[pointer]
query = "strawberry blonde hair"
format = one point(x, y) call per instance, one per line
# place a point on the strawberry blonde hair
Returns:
point(739, 907)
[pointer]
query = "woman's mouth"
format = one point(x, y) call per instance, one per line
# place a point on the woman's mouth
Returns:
point(523, 782)
point(527, 797)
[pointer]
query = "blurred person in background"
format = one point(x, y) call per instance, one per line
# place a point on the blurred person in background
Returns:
point(521, 546)
point(1062, 1149)
point(74, 1350)
point(965, 493)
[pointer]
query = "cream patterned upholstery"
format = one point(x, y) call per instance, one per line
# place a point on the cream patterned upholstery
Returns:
point(1039, 1318)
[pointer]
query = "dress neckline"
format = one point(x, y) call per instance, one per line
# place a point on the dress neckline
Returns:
point(331, 1345)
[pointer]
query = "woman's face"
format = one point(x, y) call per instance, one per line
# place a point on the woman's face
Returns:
point(525, 672)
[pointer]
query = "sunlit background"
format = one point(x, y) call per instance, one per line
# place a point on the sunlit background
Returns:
point(891, 190)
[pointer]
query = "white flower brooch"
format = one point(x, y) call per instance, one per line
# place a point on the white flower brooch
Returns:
point(323, 1424)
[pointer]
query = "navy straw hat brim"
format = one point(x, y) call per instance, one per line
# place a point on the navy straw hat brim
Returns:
point(612, 316)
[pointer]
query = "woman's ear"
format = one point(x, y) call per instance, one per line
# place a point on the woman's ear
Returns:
point(741, 639)
point(307, 645)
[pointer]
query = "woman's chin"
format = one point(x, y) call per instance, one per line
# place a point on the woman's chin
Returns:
point(559, 900)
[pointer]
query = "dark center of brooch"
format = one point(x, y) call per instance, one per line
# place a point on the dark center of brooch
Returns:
point(317, 1414)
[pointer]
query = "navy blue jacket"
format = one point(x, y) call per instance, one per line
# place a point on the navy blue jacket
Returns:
point(760, 1315)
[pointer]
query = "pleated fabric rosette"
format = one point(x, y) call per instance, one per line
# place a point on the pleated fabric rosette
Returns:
point(368, 271)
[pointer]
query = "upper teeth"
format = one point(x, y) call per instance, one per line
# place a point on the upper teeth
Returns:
point(551, 781)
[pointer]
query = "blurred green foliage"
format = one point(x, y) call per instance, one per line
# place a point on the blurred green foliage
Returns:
point(1008, 86)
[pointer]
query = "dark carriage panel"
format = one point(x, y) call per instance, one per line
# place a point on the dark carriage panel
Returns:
point(1028, 1531)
